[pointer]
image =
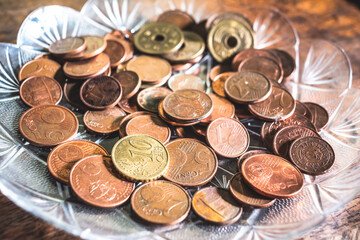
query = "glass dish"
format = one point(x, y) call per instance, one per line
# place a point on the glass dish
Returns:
point(323, 75)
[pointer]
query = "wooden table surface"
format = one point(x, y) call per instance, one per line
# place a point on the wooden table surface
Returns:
point(335, 20)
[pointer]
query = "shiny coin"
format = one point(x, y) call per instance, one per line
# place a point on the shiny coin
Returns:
point(67, 46)
point(221, 108)
point(218, 69)
point(320, 116)
point(140, 158)
point(161, 202)
point(218, 85)
point(130, 83)
point(118, 50)
point(216, 205)
point(186, 81)
point(127, 118)
point(172, 122)
point(41, 67)
point(178, 18)
point(94, 46)
point(249, 154)
point(249, 53)
point(93, 181)
point(150, 98)
point(72, 94)
point(129, 105)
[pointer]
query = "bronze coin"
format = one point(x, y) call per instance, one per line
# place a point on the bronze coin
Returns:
point(247, 87)
point(181, 67)
point(72, 94)
point(68, 46)
point(188, 105)
point(118, 50)
point(94, 181)
point(285, 136)
point(221, 108)
point(249, 154)
point(104, 122)
point(246, 195)
point(287, 61)
point(149, 98)
point(279, 105)
point(218, 69)
point(186, 81)
point(302, 109)
point(87, 68)
point(101, 92)
point(192, 163)
point(228, 137)
point(272, 176)
point(94, 46)
point(48, 125)
point(264, 65)
point(40, 67)
point(63, 157)
point(161, 202)
point(149, 125)
point(242, 111)
point(178, 18)
point(184, 132)
point(130, 83)
point(199, 130)
point(218, 85)
point(248, 53)
point(171, 122)
point(216, 205)
point(127, 118)
point(129, 105)
point(320, 116)
point(312, 155)
point(40, 90)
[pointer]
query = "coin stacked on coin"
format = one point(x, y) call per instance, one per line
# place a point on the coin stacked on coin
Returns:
point(174, 133)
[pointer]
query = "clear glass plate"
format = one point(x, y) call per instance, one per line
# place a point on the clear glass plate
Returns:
point(323, 75)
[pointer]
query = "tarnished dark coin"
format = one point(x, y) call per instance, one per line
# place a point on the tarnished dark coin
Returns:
point(67, 46)
point(199, 130)
point(246, 195)
point(312, 155)
point(248, 154)
point(320, 116)
point(161, 202)
point(129, 105)
point(130, 83)
point(101, 92)
point(178, 18)
point(104, 122)
point(218, 85)
point(216, 205)
point(221, 108)
point(242, 111)
point(72, 94)
point(150, 98)
point(41, 67)
point(94, 181)
point(287, 61)
point(302, 109)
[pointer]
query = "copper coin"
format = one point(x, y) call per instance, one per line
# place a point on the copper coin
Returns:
point(188, 105)
point(118, 50)
point(184, 132)
point(218, 69)
point(302, 109)
point(221, 108)
point(246, 195)
point(186, 81)
point(63, 157)
point(247, 87)
point(248, 53)
point(105, 121)
point(216, 205)
point(284, 137)
point(171, 122)
point(94, 46)
point(40, 90)
point(149, 125)
point(68, 46)
point(101, 92)
point(264, 65)
point(242, 111)
point(150, 69)
point(130, 83)
point(272, 176)
point(218, 85)
point(181, 67)
point(150, 98)
point(129, 105)
point(72, 94)
point(94, 181)
point(228, 137)
point(40, 67)
point(279, 105)
point(127, 118)
point(199, 130)
point(312, 155)
point(178, 18)
point(87, 68)
point(192, 163)
point(287, 61)
point(48, 125)
point(320, 116)
point(249, 154)
point(161, 202)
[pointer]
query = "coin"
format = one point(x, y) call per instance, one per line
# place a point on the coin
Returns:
point(247, 87)
point(246, 195)
point(94, 46)
point(127, 118)
point(118, 50)
point(214, 19)
point(192, 163)
point(187, 105)
point(218, 69)
point(228, 137)
point(161, 202)
point(72, 94)
point(279, 105)
point(129, 105)
point(186, 81)
point(48, 125)
point(184, 132)
point(242, 111)
point(104, 122)
point(150, 69)
point(312, 155)
point(248, 154)
point(216, 205)
point(130, 83)
point(320, 116)
point(302, 109)
point(64, 156)
point(178, 18)
point(87, 68)
point(248, 53)
point(40, 67)
point(218, 85)
point(199, 130)
point(171, 122)
point(287, 61)
point(150, 98)
point(158, 38)
point(67, 46)
point(272, 176)
point(101, 92)
point(40, 90)
point(192, 48)
point(228, 37)
point(140, 158)
point(93, 181)
point(285, 136)
point(221, 108)
point(149, 125)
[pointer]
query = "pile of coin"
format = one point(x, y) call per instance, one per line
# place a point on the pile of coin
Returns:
point(119, 81)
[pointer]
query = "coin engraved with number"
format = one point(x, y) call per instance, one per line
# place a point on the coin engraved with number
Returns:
point(140, 157)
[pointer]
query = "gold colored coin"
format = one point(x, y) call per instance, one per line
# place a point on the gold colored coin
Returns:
point(140, 158)
point(158, 38)
point(228, 37)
